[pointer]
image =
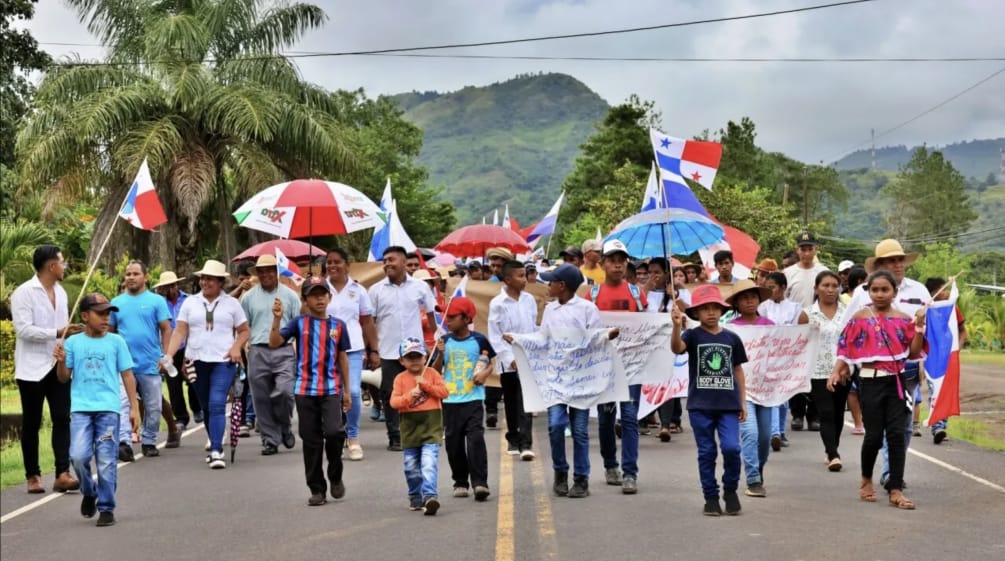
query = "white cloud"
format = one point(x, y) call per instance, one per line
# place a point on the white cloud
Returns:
point(809, 111)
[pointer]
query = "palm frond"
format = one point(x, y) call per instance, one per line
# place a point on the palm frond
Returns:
point(179, 36)
point(275, 73)
point(252, 167)
point(282, 27)
point(193, 175)
point(226, 20)
point(17, 239)
point(67, 83)
point(117, 23)
point(158, 141)
point(188, 85)
point(109, 112)
point(245, 111)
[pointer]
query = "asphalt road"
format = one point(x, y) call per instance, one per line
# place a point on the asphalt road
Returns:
point(174, 508)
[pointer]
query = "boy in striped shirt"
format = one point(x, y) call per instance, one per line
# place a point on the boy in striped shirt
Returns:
point(319, 388)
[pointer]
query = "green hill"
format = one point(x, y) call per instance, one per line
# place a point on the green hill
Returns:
point(510, 142)
point(975, 158)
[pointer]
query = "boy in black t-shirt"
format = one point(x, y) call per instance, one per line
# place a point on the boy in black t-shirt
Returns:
point(716, 393)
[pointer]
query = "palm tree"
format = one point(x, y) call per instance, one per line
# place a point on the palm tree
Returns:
point(17, 240)
point(200, 89)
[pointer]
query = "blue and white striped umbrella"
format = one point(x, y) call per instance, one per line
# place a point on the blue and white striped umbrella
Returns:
point(665, 231)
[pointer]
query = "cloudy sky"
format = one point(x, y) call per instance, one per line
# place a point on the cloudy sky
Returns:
point(812, 111)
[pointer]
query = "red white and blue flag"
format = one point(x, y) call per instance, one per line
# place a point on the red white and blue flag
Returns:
point(285, 268)
point(142, 208)
point(942, 365)
point(547, 224)
point(678, 158)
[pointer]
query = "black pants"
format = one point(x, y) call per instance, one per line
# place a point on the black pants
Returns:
point(176, 391)
point(33, 394)
point(492, 397)
point(519, 423)
point(830, 408)
point(322, 430)
point(670, 412)
point(883, 410)
point(465, 441)
point(802, 405)
point(389, 370)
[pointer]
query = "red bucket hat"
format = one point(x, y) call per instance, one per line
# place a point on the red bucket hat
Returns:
point(461, 305)
point(705, 294)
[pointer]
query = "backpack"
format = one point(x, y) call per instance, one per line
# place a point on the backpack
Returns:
point(633, 289)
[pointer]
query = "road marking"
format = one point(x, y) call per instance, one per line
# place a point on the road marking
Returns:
point(35, 504)
point(542, 501)
point(505, 550)
point(950, 467)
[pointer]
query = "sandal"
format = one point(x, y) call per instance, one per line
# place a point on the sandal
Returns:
point(897, 499)
point(676, 429)
point(866, 492)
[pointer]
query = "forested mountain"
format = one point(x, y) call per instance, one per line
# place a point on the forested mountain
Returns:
point(973, 158)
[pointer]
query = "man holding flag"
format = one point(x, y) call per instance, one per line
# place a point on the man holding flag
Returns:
point(945, 334)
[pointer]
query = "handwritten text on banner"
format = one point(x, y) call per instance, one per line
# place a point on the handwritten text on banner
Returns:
point(643, 344)
point(780, 359)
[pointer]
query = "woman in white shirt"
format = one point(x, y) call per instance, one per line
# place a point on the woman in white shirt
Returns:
point(216, 329)
point(825, 314)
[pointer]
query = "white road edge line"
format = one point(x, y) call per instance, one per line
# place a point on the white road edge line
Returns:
point(950, 467)
point(33, 505)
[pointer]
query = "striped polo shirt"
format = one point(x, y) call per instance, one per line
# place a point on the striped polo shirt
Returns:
point(318, 343)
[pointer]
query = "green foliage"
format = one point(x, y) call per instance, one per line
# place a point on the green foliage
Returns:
point(607, 208)
point(6, 353)
point(985, 317)
point(19, 56)
point(940, 260)
point(751, 211)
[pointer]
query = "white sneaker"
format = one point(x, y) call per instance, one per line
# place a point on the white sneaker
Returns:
point(216, 460)
point(527, 455)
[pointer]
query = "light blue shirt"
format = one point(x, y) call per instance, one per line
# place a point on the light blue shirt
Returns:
point(257, 305)
point(138, 322)
point(97, 364)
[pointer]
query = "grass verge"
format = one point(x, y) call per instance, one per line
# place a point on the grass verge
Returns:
point(983, 357)
point(983, 431)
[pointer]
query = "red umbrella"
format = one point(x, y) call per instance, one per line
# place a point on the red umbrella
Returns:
point(309, 207)
point(294, 249)
point(475, 241)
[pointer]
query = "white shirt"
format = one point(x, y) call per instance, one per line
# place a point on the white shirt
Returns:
point(785, 312)
point(211, 345)
point(350, 305)
point(35, 324)
point(398, 309)
point(507, 315)
point(830, 332)
point(577, 312)
point(802, 283)
point(911, 297)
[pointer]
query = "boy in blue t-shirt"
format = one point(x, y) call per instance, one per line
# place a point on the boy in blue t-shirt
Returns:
point(467, 365)
point(99, 359)
point(319, 388)
point(716, 393)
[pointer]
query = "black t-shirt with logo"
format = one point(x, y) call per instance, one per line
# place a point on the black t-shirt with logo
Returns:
point(711, 362)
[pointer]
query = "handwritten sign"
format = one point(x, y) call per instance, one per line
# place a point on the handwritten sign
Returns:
point(780, 360)
point(673, 384)
point(577, 367)
point(643, 344)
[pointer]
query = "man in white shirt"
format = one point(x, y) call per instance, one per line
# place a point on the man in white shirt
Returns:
point(398, 302)
point(802, 275)
point(41, 318)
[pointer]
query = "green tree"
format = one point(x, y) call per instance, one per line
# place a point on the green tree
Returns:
point(750, 210)
point(929, 200)
point(940, 260)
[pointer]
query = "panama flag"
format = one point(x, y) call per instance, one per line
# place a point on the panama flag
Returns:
point(283, 266)
point(142, 207)
point(547, 224)
point(381, 240)
point(653, 197)
point(506, 221)
point(942, 333)
point(678, 158)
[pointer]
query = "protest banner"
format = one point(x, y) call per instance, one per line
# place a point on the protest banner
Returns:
point(578, 367)
point(780, 359)
point(643, 344)
point(673, 384)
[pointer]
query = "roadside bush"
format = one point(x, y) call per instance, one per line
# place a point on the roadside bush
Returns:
point(6, 353)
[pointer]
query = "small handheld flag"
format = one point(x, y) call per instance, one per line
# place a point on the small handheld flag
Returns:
point(142, 208)
point(284, 268)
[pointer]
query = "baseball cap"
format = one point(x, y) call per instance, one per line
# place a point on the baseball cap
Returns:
point(806, 238)
point(313, 283)
point(845, 265)
point(592, 245)
point(95, 302)
point(411, 346)
point(461, 305)
point(567, 273)
point(571, 251)
point(614, 246)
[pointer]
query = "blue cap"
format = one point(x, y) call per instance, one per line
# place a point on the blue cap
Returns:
point(410, 346)
point(567, 273)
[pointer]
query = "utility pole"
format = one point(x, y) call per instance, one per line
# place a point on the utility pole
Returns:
point(806, 199)
point(872, 133)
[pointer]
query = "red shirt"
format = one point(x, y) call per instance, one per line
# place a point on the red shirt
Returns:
point(617, 298)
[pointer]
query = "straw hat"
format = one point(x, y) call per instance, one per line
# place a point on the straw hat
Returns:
point(213, 268)
point(266, 261)
point(423, 275)
point(745, 285)
point(167, 279)
point(886, 249)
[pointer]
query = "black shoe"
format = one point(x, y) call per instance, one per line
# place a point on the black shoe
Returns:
point(126, 453)
point(150, 451)
point(776, 443)
point(561, 486)
point(106, 519)
point(394, 447)
point(491, 421)
point(269, 449)
point(197, 417)
point(797, 423)
point(430, 506)
point(938, 436)
point(712, 507)
point(338, 490)
point(732, 503)
point(815, 425)
point(88, 506)
point(481, 493)
point(317, 499)
point(289, 441)
point(580, 488)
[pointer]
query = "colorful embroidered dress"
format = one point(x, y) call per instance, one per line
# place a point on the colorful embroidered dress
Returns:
point(884, 342)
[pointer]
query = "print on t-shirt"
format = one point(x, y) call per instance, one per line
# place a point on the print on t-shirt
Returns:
point(715, 367)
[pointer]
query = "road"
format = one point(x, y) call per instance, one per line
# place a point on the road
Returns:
point(173, 507)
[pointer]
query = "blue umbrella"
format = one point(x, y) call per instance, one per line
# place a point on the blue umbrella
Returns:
point(664, 231)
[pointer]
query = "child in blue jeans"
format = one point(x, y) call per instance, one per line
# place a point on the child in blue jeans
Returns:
point(99, 359)
point(716, 393)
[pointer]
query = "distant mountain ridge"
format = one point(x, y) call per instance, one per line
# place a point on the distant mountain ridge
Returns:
point(974, 158)
point(509, 142)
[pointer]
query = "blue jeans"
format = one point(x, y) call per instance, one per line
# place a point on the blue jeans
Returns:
point(212, 386)
point(421, 467)
point(606, 413)
point(355, 398)
point(705, 425)
point(941, 425)
point(125, 429)
point(778, 417)
point(559, 417)
point(755, 441)
point(96, 435)
point(148, 388)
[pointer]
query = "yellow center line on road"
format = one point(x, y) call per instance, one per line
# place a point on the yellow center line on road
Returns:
point(505, 550)
point(542, 502)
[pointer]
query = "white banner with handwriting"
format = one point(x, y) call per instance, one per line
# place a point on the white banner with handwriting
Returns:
point(780, 359)
point(643, 344)
point(577, 367)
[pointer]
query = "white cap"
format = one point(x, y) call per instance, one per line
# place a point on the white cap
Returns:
point(614, 246)
point(845, 265)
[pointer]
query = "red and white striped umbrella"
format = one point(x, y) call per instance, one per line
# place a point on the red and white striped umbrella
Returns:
point(309, 207)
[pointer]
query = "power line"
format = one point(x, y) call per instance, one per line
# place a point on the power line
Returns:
point(925, 239)
point(923, 113)
point(552, 37)
point(700, 59)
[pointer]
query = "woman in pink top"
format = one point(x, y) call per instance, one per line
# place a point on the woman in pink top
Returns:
point(880, 339)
